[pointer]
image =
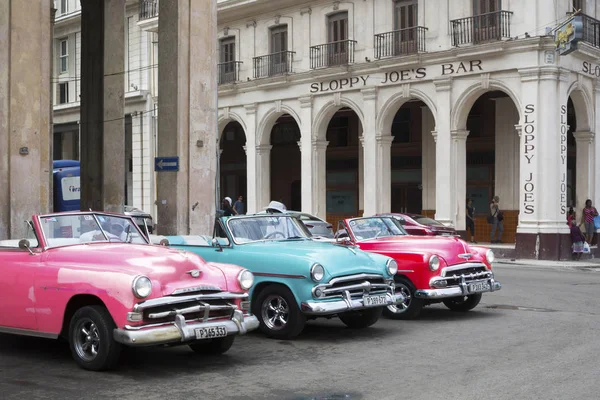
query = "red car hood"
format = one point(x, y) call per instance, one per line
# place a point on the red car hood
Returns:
point(448, 248)
point(167, 268)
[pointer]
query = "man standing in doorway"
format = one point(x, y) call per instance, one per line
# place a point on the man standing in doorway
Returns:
point(498, 217)
point(239, 206)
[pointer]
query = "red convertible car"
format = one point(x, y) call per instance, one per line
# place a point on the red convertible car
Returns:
point(431, 269)
point(415, 224)
point(93, 279)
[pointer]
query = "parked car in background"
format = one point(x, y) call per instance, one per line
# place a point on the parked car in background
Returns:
point(431, 269)
point(415, 224)
point(94, 279)
point(297, 278)
point(142, 219)
point(315, 225)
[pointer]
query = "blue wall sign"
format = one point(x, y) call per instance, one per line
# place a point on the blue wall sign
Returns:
point(568, 35)
point(166, 163)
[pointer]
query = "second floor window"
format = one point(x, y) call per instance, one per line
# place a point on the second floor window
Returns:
point(481, 7)
point(227, 65)
point(338, 27)
point(63, 56)
point(63, 93)
point(64, 6)
point(279, 39)
point(405, 14)
point(578, 5)
point(227, 47)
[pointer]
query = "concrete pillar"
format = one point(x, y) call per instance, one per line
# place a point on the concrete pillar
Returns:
point(584, 167)
point(187, 126)
point(383, 162)
point(444, 171)
point(507, 154)
point(263, 176)
point(370, 172)
point(428, 158)
point(252, 196)
point(103, 172)
point(361, 168)
point(319, 150)
point(306, 155)
point(595, 189)
point(25, 113)
point(459, 164)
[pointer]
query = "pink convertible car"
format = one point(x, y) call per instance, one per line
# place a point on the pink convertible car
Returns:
point(94, 279)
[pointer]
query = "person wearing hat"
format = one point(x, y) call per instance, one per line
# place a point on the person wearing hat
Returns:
point(275, 207)
point(228, 210)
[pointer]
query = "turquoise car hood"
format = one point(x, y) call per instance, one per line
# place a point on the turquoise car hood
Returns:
point(337, 260)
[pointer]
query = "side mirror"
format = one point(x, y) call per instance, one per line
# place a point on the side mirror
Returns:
point(164, 242)
point(216, 243)
point(25, 245)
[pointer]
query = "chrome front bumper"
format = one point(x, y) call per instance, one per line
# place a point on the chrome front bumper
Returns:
point(347, 304)
point(454, 291)
point(181, 331)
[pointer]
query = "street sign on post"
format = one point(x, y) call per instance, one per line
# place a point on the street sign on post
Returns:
point(166, 164)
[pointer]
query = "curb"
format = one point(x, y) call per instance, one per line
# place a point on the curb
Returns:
point(548, 264)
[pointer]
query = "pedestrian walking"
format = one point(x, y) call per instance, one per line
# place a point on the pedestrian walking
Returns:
point(578, 241)
point(589, 212)
point(471, 219)
point(497, 218)
point(239, 206)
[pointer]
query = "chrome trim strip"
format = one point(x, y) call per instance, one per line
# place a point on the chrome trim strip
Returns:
point(462, 266)
point(454, 291)
point(207, 308)
point(346, 304)
point(355, 278)
point(365, 286)
point(405, 270)
point(28, 332)
point(168, 300)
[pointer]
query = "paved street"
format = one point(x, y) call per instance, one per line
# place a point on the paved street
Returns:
point(538, 338)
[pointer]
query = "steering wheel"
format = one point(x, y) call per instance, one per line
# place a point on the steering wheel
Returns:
point(273, 234)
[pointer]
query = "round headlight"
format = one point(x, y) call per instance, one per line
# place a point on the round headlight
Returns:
point(142, 287)
point(490, 257)
point(317, 272)
point(246, 279)
point(392, 267)
point(434, 263)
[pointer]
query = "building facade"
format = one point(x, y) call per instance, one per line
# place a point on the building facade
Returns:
point(345, 108)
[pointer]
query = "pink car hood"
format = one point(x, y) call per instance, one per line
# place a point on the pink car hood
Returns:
point(448, 248)
point(167, 268)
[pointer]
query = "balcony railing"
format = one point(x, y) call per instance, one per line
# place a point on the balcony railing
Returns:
point(400, 42)
point(273, 64)
point(148, 9)
point(481, 28)
point(332, 54)
point(591, 30)
point(228, 72)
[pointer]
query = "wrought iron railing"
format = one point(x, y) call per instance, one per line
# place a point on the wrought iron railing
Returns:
point(273, 64)
point(332, 54)
point(400, 42)
point(148, 9)
point(481, 28)
point(228, 72)
point(591, 30)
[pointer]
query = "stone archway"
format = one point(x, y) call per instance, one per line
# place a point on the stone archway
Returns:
point(232, 162)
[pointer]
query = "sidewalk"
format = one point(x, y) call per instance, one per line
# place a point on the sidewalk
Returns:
point(588, 263)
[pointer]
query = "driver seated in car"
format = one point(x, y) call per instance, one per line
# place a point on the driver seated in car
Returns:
point(96, 235)
point(275, 230)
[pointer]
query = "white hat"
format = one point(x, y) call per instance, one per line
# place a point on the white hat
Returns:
point(229, 200)
point(277, 206)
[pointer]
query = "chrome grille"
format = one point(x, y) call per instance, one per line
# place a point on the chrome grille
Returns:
point(465, 272)
point(356, 285)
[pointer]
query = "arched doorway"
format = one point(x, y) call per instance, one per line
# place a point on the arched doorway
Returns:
point(232, 162)
point(492, 163)
point(285, 163)
point(344, 180)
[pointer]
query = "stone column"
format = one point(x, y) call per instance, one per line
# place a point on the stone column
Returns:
point(459, 163)
point(252, 196)
point(428, 159)
point(507, 154)
point(444, 172)
point(595, 177)
point(319, 173)
point(187, 125)
point(384, 172)
point(584, 168)
point(25, 113)
point(371, 174)
point(103, 168)
point(306, 155)
point(263, 175)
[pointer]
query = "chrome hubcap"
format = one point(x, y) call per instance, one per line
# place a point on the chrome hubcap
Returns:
point(401, 307)
point(87, 339)
point(275, 312)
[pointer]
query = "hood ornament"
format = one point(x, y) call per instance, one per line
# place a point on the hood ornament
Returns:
point(465, 256)
point(195, 273)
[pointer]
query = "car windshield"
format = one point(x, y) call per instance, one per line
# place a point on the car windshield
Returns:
point(375, 227)
point(62, 230)
point(421, 219)
point(265, 227)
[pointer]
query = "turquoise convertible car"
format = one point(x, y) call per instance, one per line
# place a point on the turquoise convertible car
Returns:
point(297, 278)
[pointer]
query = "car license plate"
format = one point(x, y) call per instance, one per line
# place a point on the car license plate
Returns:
point(211, 332)
point(376, 300)
point(479, 287)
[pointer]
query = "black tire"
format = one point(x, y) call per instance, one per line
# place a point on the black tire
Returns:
point(463, 303)
point(213, 346)
point(361, 319)
point(410, 308)
point(96, 350)
point(278, 313)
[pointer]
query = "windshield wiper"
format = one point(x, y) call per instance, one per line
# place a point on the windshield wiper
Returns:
point(295, 237)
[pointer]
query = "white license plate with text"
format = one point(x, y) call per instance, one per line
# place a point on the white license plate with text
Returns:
point(477, 287)
point(211, 332)
point(375, 300)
